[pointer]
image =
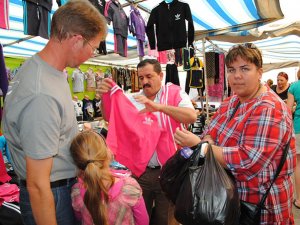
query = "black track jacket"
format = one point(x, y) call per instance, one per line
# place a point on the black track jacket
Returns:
point(170, 28)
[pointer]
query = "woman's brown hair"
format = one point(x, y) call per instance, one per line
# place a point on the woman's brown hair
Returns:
point(92, 157)
point(247, 51)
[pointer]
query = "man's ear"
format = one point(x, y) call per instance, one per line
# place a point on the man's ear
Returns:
point(76, 41)
point(161, 74)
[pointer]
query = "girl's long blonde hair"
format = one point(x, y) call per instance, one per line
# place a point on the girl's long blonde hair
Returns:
point(92, 157)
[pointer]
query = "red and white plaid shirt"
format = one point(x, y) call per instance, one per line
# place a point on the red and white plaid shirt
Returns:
point(253, 142)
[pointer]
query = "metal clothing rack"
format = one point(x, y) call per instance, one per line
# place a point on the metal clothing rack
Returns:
point(205, 74)
point(113, 64)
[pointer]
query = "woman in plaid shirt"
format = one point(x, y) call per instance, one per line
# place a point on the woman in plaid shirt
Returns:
point(248, 135)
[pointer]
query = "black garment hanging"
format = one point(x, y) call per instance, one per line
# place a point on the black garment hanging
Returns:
point(102, 48)
point(172, 74)
point(37, 17)
point(99, 4)
point(170, 28)
point(212, 67)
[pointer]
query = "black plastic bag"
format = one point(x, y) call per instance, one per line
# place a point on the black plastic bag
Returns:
point(173, 174)
point(207, 195)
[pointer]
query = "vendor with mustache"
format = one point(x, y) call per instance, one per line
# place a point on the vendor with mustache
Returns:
point(172, 107)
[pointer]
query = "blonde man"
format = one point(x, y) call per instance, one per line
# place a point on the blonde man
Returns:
point(39, 119)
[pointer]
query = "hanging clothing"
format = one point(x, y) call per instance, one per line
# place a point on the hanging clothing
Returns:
point(178, 57)
point(4, 17)
point(102, 48)
point(4, 177)
point(78, 107)
point(97, 107)
point(140, 48)
point(114, 13)
point(3, 74)
point(195, 76)
point(99, 4)
point(90, 80)
point(170, 27)
point(135, 84)
point(88, 110)
point(172, 74)
point(120, 45)
point(99, 77)
point(137, 25)
point(186, 59)
point(162, 57)
point(212, 67)
point(61, 2)
point(37, 17)
point(216, 89)
point(4, 149)
point(78, 81)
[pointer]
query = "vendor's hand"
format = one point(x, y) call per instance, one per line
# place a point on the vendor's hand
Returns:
point(87, 126)
point(105, 86)
point(186, 138)
point(150, 106)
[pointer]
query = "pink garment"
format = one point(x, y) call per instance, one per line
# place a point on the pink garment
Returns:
point(152, 53)
point(4, 17)
point(126, 205)
point(106, 8)
point(217, 90)
point(4, 177)
point(9, 193)
point(162, 57)
point(132, 136)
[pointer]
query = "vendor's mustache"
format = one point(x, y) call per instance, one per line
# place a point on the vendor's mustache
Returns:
point(146, 85)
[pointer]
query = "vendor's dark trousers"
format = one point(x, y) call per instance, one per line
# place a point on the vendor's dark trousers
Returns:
point(158, 206)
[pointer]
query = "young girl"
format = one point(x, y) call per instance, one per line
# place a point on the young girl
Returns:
point(99, 197)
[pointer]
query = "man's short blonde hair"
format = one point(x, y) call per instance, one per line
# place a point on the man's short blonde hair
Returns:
point(78, 17)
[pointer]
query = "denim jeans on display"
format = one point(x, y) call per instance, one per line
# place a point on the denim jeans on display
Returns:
point(63, 205)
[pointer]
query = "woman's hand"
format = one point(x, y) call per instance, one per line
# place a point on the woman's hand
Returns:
point(186, 138)
point(208, 139)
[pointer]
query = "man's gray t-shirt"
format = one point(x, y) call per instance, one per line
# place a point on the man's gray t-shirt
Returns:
point(39, 119)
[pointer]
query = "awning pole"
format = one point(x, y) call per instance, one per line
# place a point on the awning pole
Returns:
point(18, 41)
point(205, 79)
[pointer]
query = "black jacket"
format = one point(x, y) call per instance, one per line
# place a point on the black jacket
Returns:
point(170, 28)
